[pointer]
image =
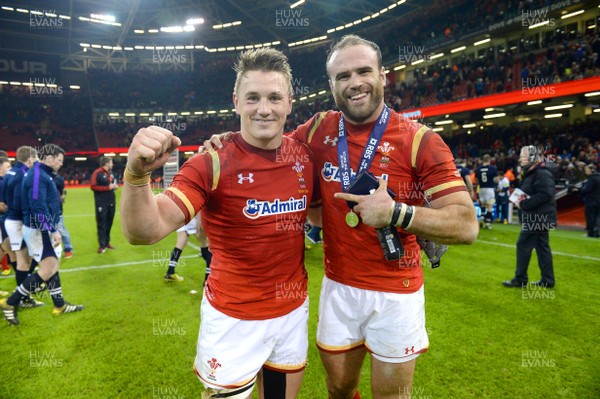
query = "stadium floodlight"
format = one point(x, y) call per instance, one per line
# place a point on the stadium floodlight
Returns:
point(113, 114)
point(139, 31)
point(438, 55)
point(8, 8)
point(302, 98)
point(456, 50)
point(572, 14)
point(24, 11)
point(64, 16)
point(592, 94)
point(189, 28)
point(81, 158)
point(322, 92)
point(194, 21)
point(144, 114)
point(74, 87)
point(171, 29)
point(110, 154)
point(417, 62)
point(185, 113)
point(482, 42)
point(447, 122)
point(152, 30)
point(469, 125)
point(84, 44)
point(211, 112)
point(401, 2)
point(536, 102)
point(130, 114)
point(550, 116)
point(543, 23)
point(296, 4)
point(489, 109)
point(596, 110)
point(3, 82)
point(399, 67)
point(492, 116)
point(437, 129)
point(375, 15)
point(312, 95)
point(103, 17)
point(35, 12)
point(364, 19)
point(555, 107)
point(199, 113)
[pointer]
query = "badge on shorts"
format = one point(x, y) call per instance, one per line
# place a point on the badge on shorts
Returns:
point(406, 282)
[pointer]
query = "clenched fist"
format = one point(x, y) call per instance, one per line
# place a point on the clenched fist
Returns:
point(150, 149)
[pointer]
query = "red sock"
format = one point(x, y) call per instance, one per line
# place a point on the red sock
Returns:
point(5, 263)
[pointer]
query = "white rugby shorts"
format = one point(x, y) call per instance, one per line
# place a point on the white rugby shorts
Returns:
point(391, 326)
point(231, 352)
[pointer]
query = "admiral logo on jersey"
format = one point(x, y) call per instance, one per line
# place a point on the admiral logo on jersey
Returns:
point(255, 209)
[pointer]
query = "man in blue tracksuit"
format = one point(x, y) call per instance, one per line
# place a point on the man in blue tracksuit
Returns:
point(13, 222)
point(41, 215)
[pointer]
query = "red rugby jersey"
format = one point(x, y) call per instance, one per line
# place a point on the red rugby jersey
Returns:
point(254, 203)
point(416, 162)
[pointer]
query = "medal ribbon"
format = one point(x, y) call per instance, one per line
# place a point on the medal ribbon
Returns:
point(368, 153)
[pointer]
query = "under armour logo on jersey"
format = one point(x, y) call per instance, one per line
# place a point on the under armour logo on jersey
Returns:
point(332, 141)
point(409, 350)
point(250, 178)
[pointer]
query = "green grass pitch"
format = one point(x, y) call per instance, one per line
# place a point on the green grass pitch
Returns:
point(137, 336)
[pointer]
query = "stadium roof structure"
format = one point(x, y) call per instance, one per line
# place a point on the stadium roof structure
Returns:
point(132, 30)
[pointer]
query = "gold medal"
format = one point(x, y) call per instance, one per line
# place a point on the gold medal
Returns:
point(352, 219)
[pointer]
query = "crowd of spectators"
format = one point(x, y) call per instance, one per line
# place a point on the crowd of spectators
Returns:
point(37, 116)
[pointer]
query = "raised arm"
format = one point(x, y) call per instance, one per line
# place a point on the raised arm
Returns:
point(146, 218)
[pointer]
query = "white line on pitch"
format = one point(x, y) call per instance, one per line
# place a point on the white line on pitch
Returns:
point(78, 269)
point(553, 252)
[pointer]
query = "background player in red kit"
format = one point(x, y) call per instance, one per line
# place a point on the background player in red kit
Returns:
point(255, 307)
